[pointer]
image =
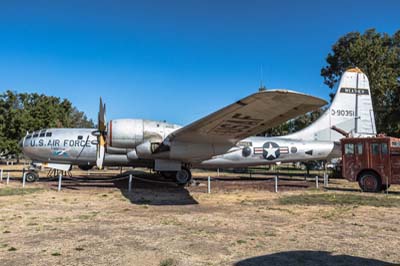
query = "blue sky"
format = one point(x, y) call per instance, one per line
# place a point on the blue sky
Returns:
point(174, 60)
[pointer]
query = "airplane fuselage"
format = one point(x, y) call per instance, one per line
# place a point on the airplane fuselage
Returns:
point(78, 147)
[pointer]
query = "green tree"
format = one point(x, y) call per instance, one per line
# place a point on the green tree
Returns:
point(295, 124)
point(378, 56)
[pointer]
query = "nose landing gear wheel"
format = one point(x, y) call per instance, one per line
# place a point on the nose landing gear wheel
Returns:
point(31, 177)
point(183, 176)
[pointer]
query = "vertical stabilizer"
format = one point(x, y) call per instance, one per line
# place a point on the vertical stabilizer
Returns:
point(351, 111)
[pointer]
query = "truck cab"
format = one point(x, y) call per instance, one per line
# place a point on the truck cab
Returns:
point(372, 162)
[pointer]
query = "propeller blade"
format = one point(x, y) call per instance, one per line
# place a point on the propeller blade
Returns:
point(100, 152)
point(101, 137)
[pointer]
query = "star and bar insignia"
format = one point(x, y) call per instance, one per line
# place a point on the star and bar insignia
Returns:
point(271, 150)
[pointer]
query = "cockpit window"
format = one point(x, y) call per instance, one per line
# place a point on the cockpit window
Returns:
point(29, 136)
point(42, 134)
point(35, 134)
point(48, 134)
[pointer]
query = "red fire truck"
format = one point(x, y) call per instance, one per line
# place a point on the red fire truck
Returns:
point(373, 162)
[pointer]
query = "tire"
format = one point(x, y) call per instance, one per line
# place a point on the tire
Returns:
point(31, 177)
point(370, 182)
point(183, 176)
point(85, 167)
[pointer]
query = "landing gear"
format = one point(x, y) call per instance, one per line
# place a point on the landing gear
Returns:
point(85, 167)
point(183, 176)
point(31, 176)
point(370, 182)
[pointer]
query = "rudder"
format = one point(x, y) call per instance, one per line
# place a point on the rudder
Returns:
point(351, 111)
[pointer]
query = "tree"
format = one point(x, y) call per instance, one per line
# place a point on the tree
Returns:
point(295, 124)
point(378, 56)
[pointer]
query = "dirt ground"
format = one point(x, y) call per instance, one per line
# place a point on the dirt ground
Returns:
point(242, 222)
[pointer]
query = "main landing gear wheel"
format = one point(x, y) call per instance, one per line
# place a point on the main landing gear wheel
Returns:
point(31, 177)
point(183, 176)
point(370, 182)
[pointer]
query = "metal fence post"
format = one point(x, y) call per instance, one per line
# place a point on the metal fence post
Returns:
point(8, 178)
point(276, 184)
point(1, 175)
point(326, 181)
point(316, 181)
point(59, 182)
point(209, 185)
point(130, 183)
point(23, 180)
point(387, 185)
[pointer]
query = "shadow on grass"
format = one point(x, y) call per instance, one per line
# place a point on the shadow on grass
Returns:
point(340, 199)
point(296, 258)
point(150, 189)
point(358, 190)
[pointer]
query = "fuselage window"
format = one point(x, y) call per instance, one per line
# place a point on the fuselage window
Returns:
point(80, 137)
point(349, 148)
point(48, 134)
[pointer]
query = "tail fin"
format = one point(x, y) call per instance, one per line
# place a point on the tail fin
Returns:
point(351, 111)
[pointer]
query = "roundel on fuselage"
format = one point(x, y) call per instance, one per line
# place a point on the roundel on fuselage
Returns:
point(271, 151)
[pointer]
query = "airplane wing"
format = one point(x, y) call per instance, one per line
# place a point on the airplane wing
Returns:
point(247, 117)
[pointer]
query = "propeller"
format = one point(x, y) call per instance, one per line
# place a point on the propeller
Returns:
point(101, 135)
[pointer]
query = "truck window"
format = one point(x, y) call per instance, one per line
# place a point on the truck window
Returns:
point(360, 148)
point(349, 148)
point(384, 149)
point(375, 148)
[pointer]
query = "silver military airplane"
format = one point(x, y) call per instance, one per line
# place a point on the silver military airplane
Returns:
point(221, 139)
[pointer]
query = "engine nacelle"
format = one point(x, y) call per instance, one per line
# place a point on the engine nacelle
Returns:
point(125, 133)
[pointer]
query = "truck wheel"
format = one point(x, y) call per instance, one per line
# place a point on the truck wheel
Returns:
point(183, 176)
point(370, 182)
point(31, 177)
